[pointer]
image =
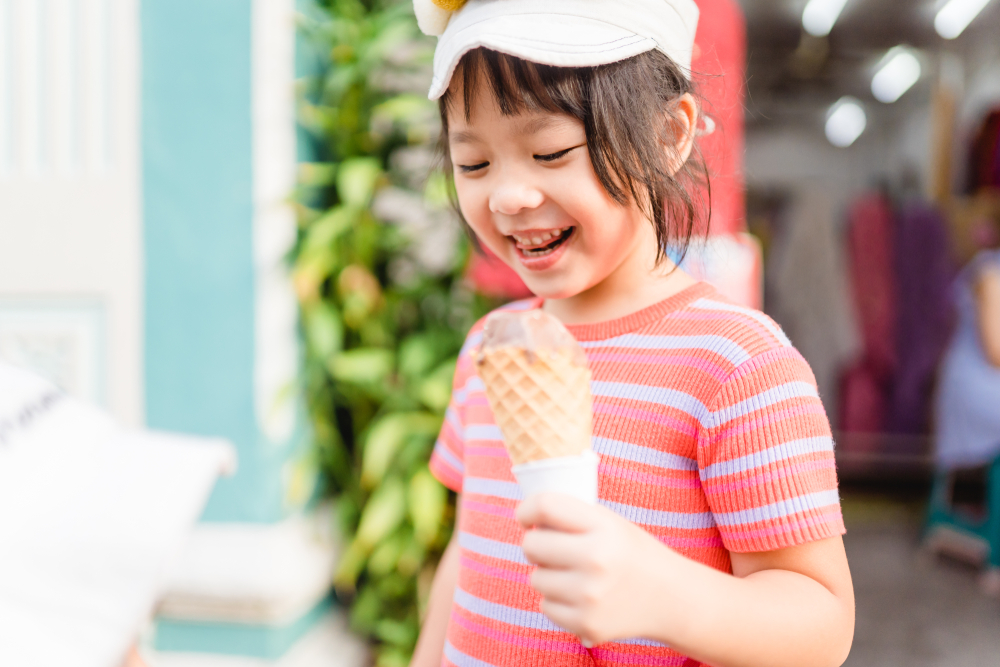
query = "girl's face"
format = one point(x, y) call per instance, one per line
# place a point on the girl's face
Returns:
point(527, 188)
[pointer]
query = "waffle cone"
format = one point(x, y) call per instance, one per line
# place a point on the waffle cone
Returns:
point(540, 399)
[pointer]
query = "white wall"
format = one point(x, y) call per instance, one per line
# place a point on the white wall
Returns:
point(70, 229)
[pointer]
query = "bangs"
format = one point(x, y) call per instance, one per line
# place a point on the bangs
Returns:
point(519, 85)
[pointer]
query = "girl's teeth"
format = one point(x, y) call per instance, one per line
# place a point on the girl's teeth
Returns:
point(541, 238)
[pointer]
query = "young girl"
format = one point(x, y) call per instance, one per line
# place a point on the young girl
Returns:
point(570, 129)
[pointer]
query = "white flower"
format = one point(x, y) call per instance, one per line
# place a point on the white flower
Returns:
point(431, 18)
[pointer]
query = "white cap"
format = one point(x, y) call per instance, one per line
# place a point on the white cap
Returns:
point(564, 33)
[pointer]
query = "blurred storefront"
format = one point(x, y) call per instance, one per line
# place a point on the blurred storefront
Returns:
point(870, 165)
point(864, 238)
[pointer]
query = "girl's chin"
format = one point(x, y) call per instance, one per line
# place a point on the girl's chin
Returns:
point(546, 284)
point(549, 289)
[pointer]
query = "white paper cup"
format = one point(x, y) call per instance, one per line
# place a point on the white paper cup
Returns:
point(573, 475)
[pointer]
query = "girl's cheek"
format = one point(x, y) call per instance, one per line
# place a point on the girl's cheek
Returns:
point(473, 200)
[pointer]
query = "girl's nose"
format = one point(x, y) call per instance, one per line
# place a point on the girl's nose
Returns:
point(512, 197)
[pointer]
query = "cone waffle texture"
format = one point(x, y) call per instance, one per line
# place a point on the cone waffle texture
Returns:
point(540, 399)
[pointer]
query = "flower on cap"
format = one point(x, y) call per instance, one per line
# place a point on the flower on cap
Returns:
point(433, 15)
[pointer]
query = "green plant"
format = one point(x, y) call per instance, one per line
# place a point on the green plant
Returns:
point(377, 268)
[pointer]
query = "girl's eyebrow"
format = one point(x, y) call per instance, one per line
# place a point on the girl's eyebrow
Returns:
point(537, 123)
point(528, 127)
point(463, 137)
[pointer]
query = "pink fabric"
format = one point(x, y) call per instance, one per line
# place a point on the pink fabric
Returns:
point(863, 402)
point(867, 385)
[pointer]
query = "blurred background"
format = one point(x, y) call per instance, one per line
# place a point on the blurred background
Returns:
point(224, 219)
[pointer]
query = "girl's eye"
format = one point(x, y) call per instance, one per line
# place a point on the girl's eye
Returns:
point(469, 168)
point(552, 157)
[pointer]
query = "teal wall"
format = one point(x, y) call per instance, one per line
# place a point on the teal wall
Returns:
point(198, 224)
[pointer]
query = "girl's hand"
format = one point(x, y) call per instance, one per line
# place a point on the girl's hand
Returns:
point(595, 569)
point(133, 659)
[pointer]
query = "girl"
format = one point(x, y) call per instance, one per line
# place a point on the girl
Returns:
point(569, 126)
point(967, 419)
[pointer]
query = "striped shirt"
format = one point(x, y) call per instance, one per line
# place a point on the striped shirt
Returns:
point(711, 437)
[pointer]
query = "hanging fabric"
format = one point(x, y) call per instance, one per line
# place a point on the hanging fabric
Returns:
point(924, 275)
point(808, 292)
point(867, 385)
point(984, 155)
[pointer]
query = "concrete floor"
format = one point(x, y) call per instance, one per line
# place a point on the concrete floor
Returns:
point(913, 609)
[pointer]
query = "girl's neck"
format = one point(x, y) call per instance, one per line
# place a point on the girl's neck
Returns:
point(596, 305)
point(634, 285)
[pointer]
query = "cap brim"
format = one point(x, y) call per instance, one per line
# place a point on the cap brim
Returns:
point(582, 42)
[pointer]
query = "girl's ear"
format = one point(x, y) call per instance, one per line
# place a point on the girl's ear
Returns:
point(682, 121)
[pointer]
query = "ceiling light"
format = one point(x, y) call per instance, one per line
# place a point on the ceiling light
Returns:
point(845, 121)
point(819, 16)
point(898, 71)
point(956, 16)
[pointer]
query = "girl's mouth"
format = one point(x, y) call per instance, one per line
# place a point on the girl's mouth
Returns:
point(540, 244)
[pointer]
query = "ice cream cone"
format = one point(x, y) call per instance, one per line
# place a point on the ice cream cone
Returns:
point(538, 386)
point(541, 401)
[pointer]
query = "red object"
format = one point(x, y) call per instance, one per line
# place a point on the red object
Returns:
point(718, 70)
point(494, 278)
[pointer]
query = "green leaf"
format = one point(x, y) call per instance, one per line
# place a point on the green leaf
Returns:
point(316, 173)
point(352, 561)
point(417, 354)
point(401, 109)
point(392, 657)
point(366, 609)
point(362, 365)
point(411, 559)
point(383, 560)
point(328, 228)
point(399, 633)
point(390, 37)
point(428, 500)
point(383, 513)
point(386, 437)
point(437, 191)
point(324, 329)
point(435, 391)
point(356, 180)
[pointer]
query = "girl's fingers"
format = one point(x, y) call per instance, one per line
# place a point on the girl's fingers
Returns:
point(552, 549)
point(561, 586)
point(558, 512)
point(565, 616)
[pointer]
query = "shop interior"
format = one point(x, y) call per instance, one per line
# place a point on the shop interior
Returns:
point(872, 167)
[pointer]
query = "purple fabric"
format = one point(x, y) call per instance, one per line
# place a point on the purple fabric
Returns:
point(925, 313)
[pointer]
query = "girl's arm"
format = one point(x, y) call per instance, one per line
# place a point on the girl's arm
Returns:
point(604, 578)
point(794, 606)
point(988, 307)
point(430, 646)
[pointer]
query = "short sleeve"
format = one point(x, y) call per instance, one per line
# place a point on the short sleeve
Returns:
point(448, 459)
point(765, 456)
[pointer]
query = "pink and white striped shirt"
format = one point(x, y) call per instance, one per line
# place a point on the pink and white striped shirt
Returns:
point(711, 436)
